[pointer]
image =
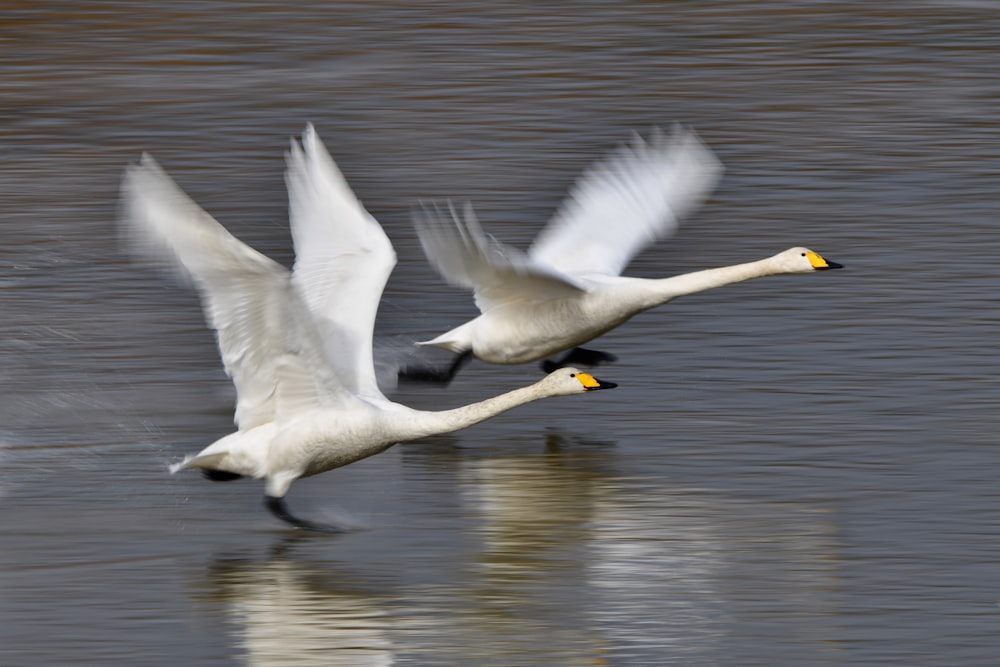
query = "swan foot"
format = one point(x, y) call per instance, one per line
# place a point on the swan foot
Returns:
point(435, 375)
point(220, 475)
point(278, 508)
point(578, 356)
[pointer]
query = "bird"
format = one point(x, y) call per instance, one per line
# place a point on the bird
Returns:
point(567, 289)
point(297, 343)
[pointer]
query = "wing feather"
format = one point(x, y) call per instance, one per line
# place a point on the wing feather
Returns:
point(466, 257)
point(343, 260)
point(626, 201)
point(248, 298)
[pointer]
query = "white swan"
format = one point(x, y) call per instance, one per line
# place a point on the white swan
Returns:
point(298, 345)
point(567, 289)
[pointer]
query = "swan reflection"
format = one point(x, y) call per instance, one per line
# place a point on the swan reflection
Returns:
point(289, 613)
point(545, 555)
point(645, 570)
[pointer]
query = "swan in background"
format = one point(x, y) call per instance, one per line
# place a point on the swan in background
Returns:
point(567, 289)
point(298, 345)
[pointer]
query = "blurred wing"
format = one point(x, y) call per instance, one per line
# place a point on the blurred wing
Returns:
point(466, 257)
point(247, 297)
point(342, 260)
point(621, 204)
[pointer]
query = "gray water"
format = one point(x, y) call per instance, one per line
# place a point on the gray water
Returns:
point(799, 470)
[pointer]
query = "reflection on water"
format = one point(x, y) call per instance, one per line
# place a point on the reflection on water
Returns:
point(699, 565)
point(572, 565)
point(528, 587)
point(299, 614)
point(642, 571)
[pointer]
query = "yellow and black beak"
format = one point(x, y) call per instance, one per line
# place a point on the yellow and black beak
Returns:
point(821, 264)
point(590, 383)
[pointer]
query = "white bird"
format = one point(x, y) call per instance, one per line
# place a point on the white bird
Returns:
point(567, 289)
point(298, 344)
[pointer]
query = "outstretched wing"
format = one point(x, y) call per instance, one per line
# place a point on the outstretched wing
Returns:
point(342, 260)
point(247, 297)
point(621, 204)
point(466, 257)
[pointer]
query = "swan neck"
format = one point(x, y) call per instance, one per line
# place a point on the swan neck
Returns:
point(666, 289)
point(446, 421)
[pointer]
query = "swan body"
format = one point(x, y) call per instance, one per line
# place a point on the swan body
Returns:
point(314, 441)
point(566, 290)
point(298, 344)
point(526, 331)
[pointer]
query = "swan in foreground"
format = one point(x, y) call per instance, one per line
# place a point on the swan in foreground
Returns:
point(298, 345)
point(567, 289)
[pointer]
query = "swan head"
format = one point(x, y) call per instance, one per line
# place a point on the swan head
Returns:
point(567, 381)
point(803, 260)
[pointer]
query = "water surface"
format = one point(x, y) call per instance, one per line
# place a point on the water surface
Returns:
point(799, 470)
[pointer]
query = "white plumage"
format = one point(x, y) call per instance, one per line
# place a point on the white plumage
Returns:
point(566, 290)
point(298, 344)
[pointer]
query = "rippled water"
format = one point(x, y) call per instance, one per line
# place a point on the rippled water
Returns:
point(799, 470)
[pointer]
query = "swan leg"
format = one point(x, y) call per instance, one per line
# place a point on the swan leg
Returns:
point(220, 475)
point(435, 375)
point(578, 356)
point(278, 508)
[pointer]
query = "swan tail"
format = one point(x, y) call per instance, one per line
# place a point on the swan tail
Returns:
point(201, 461)
point(208, 466)
point(437, 342)
point(456, 340)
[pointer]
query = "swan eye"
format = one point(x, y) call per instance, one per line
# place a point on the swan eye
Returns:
point(803, 254)
point(572, 375)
